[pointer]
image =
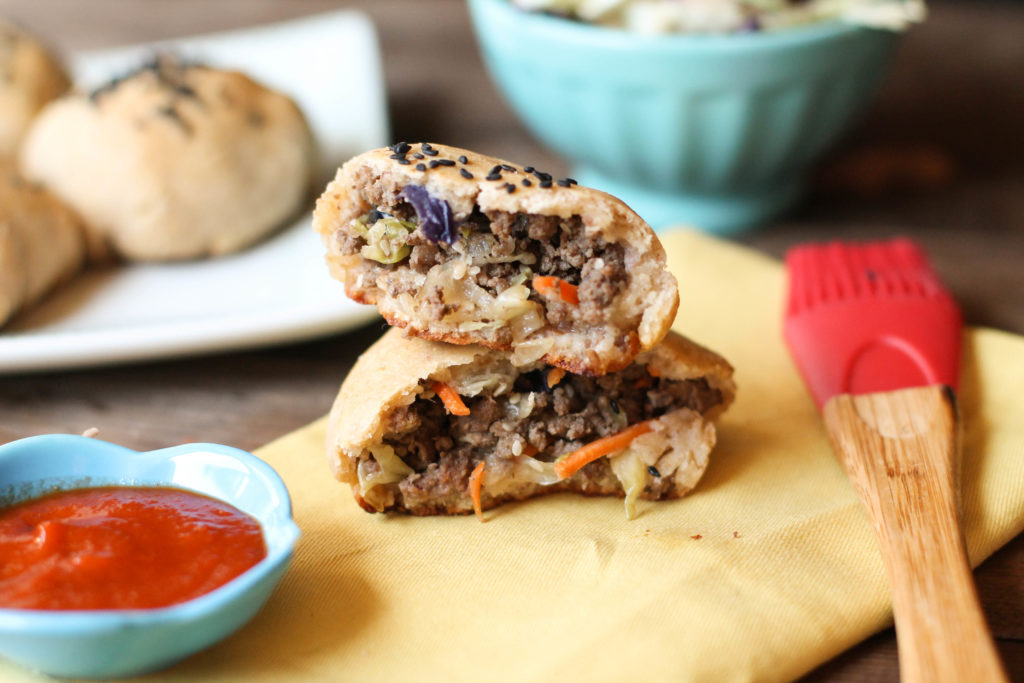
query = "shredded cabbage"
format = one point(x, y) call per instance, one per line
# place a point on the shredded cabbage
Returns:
point(631, 471)
point(470, 380)
point(730, 16)
point(534, 470)
point(521, 409)
point(392, 469)
point(531, 350)
point(482, 248)
point(385, 238)
point(474, 308)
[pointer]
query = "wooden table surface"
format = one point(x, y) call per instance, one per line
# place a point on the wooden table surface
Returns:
point(954, 88)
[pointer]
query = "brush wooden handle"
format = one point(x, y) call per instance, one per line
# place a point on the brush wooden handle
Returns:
point(900, 450)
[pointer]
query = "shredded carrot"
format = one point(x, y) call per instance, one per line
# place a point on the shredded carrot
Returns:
point(451, 399)
point(476, 485)
point(555, 376)
point(569, 464)
point(549, 285)
point(529, 450)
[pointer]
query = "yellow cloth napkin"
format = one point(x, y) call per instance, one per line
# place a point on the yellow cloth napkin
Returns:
point(766, 570)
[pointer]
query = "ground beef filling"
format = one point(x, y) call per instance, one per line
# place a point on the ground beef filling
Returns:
point(443, 448)
point(559, 246)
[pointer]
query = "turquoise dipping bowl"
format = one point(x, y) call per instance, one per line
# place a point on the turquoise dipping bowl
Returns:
point(712, 131)
point(117, 643)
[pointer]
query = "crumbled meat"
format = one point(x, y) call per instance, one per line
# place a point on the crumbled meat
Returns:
point(348, 242)
point(443, 448)
point(403, 420)
point(424, 257)
point(448, 475)
point(559, 247)
point(495, 276)
point(602, 279)
point(433, 304)
point(383, 193)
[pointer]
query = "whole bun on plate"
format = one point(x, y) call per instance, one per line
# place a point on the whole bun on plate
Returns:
point(175, 160)
point(30, 76)
point(41, 242)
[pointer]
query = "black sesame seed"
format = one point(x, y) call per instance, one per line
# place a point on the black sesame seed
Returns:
point(495, 169)
point(396, 156)
point(465, 174)
point(400, 148)
point(171, 113)
point(463, 159)
point(417, 155)
point(421, 167)
point(541, 175)
point(563, 182)
point(572, 181)
point(404, 162)
point(528, 169)
point(615, 406)
point(510, 188)
point(493, 176)
point(653, 471)
point(545, 183)
point(441, 162)
point(428, 150)
point(526, 182)
point(510, 169)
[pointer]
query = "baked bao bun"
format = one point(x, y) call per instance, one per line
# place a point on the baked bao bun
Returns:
point(41, 243)
point(30, 76)
point(468, 249)
point(391, 438)
point(174, 161)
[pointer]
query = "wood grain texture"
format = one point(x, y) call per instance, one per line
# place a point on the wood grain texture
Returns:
point(954, 85)
point(900, 450)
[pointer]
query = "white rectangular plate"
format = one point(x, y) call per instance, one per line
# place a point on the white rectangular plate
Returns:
point(277, 291)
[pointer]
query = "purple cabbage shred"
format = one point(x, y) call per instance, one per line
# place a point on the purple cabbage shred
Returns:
point(435, 215)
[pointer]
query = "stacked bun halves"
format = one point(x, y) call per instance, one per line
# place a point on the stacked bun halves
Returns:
point(534, 339)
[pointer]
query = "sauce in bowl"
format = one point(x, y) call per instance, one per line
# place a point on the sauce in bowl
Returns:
point(121, 547)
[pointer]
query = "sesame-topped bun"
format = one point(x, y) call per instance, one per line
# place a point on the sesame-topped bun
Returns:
point(30, 76)
point(459, 247)
point(415, 418)
point(41, 242)
point(175, 160)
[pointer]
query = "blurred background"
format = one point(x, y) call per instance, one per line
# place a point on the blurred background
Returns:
point(938, 154)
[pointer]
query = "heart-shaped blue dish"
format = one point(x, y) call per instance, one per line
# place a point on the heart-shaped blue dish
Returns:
point(116, 643)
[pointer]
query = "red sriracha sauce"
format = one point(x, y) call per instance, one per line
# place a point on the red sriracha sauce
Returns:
point(121, 547)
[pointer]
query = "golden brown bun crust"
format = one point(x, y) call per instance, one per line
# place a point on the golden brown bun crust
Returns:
point(389, 373)
point(385, 376)
point(652, 295)
point(41, 242)
point(32, 76)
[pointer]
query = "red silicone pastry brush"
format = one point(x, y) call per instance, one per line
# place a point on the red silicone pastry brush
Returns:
point(877, 339)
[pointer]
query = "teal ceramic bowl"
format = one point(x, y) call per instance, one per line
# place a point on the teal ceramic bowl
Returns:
point(714, 131)
point(117, 643)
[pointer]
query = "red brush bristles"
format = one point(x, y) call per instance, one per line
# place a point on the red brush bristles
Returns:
point(869, 317)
